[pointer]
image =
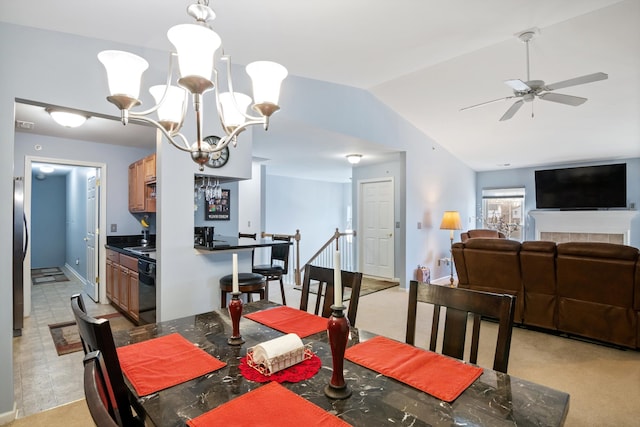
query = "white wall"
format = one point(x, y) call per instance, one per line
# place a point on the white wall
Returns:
point(315, 208)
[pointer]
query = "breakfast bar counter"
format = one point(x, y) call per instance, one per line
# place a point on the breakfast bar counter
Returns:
point(225, 243)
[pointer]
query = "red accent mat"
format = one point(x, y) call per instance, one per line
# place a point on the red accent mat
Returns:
point(433, 373)
point(293, 374)
point(290, 321)
point(269, 405)
point(163, 362)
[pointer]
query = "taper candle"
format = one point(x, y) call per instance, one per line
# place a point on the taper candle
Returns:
point(337, 280)
point(234, 283)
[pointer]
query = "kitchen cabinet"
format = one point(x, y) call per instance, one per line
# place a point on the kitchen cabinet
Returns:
point(142, 185)
point(122, 283)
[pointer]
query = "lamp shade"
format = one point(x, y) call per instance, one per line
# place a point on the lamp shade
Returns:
point(267, 77)
point(196, 46)
point(173, 106)
point(451, 221)
point(233, 113)
point(124, 72)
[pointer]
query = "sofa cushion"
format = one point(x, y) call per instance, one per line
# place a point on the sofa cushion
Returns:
point(538, 265)
point(481, 234)
point(493, 265)
point(596, 291)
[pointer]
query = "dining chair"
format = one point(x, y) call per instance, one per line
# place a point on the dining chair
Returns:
point(97, 394)
point(278, 265)
point(96, 334)
point(324, 278)
point(459, 303)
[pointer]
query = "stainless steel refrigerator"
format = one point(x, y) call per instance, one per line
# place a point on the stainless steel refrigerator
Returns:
point(20, 244)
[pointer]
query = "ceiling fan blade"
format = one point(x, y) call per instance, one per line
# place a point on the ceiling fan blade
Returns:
point(589, 78)
point(482, 104)
point(563, 99)
point(517, 85)
point(512, 110)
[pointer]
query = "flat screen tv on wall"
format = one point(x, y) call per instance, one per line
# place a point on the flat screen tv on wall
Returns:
point(589, 187)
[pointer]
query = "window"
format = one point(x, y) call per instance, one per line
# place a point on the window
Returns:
point(502, 210)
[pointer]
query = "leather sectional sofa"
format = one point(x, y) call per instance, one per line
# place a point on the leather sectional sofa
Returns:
point(585, 289)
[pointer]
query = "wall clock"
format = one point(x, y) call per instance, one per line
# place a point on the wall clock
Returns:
point(217, 159)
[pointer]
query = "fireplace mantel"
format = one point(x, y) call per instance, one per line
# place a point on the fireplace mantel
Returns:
point(600, 222)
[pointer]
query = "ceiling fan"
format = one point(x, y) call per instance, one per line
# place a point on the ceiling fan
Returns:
point(528, 90)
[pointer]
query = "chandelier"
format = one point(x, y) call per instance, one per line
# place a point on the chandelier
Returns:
point(196, 46)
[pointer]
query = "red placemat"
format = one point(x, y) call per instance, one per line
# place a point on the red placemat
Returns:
point(163, 362)
point(433, 373)
point(269, 405)
point(290, 320)
point(298, 372)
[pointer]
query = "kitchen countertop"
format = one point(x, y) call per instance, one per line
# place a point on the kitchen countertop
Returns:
point(119, 243)
point(223, 243)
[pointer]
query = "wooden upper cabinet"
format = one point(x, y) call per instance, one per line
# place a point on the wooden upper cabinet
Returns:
point(142, 185)
point(136, 187)
point(149, 163)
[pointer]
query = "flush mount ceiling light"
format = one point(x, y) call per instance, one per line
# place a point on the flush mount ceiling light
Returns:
point(195, 45)
point(46, 169)
point(67, 118)
point(354, 159)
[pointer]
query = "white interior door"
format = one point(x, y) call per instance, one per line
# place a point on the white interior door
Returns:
point(91, 284)
point(376, 227)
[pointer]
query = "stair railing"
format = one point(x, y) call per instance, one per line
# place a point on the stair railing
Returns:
point(324, 256)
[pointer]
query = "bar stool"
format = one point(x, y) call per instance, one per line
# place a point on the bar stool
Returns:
point(279, 265)
point(248, 283)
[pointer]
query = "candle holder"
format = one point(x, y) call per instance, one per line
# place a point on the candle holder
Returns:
point(235, 312)
point(338, 330)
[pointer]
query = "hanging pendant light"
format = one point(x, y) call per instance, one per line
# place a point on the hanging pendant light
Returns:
point(195, 48)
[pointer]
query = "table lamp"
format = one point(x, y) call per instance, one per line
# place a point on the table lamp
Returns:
point(451, 221)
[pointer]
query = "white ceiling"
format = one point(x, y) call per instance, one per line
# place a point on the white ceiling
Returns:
point(426, 59)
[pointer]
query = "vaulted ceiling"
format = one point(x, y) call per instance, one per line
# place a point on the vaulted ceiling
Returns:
point(426, 59)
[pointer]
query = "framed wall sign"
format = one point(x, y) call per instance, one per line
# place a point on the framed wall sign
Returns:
point(218, 209)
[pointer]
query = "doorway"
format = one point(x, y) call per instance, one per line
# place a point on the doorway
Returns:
point(376, 222)
point(86, 261)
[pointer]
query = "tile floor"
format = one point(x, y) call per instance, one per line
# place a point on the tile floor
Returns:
point(42, 379)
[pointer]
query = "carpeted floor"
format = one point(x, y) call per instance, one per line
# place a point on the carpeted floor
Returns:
point(74, 414)
point(41, 276)
point(65, 335)
point(369, 286)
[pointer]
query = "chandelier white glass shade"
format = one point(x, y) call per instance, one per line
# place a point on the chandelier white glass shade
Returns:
point(196, 46)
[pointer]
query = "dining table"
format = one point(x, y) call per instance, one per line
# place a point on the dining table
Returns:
point(492, 398)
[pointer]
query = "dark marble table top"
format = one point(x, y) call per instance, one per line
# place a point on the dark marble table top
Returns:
point(495, 399)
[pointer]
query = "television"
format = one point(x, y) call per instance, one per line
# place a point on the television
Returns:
point(588, 187)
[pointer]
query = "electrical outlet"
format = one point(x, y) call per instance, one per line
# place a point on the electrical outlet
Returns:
point(419, 225)
point(77, 261)
point(114, 228)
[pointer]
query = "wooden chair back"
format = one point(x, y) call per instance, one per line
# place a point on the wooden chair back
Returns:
point(459, 304)
point(324, 297)
point(98, 392)
point(96, 335)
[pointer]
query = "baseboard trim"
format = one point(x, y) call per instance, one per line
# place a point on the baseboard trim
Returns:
point(75, 273)
point(7, 417)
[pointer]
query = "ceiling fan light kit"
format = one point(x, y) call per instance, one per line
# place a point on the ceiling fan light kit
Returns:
point(529, 90)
